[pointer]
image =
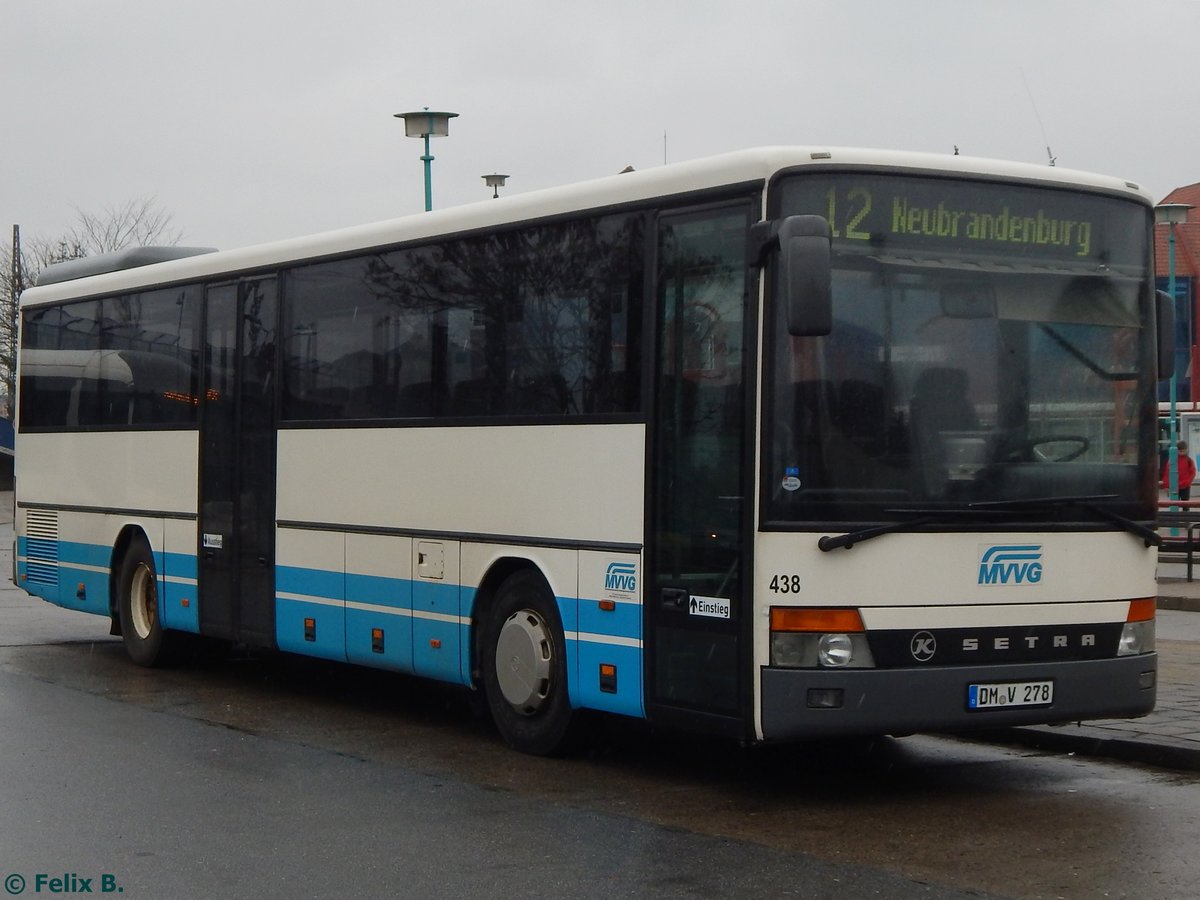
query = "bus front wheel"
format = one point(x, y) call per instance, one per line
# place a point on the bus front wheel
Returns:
point(524, 667)
point(141, 626)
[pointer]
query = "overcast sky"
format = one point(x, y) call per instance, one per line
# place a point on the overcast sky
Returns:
point(251, 120)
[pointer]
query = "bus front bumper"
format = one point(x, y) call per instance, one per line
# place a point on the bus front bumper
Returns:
point(799, 703)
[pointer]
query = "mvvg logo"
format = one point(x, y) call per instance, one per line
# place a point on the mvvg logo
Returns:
point(1011, 564)
point(621, 577)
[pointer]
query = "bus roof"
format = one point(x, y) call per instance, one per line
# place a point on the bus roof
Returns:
point(741, 167)
point(117, 261)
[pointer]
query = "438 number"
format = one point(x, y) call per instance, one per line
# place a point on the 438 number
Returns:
point(785, 584)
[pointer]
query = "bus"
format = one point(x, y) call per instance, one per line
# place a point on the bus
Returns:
point(789, 443)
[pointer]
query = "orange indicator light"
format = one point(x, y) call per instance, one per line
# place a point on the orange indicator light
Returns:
point(1142, 610)
point(790, 618)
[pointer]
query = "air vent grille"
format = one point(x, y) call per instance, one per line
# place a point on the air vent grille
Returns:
point(41, 546)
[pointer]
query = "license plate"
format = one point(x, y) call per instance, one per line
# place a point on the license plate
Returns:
point(1010, 693)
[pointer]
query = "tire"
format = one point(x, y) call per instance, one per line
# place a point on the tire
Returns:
point(524, 667)
point(146, 642)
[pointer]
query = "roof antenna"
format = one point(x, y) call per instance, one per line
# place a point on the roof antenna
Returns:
point(1053, 159)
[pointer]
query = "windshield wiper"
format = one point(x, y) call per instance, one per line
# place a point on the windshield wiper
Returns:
point(925, 516)
point(1087, 502)
point(834, 542)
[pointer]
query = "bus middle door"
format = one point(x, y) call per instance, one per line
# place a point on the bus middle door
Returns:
point(237, 463)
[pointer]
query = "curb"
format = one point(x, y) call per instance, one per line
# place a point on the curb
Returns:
point(1167, 601)
point(1180, 759)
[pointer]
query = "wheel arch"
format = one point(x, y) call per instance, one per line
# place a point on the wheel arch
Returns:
point(500, 570)
point(125, 539)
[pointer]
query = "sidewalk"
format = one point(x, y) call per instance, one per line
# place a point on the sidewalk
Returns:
point(1169, 736)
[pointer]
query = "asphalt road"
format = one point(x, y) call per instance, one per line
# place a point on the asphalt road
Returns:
point(164, 805)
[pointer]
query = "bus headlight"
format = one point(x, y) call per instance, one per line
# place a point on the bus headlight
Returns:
point(1136, 637)
point(1138, 634)
point(819, 638)
point(835, 650)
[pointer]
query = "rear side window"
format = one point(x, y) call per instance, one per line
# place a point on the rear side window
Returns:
point(118, 362)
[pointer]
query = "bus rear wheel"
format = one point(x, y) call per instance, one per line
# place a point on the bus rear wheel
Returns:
point(524, 667)
point(146, 642)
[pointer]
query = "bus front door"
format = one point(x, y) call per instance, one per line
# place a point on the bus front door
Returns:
point(237, 464)
point(697, 542)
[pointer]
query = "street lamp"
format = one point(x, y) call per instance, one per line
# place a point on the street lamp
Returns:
point(426, 124)
point(495, 182)
point(1172, 214)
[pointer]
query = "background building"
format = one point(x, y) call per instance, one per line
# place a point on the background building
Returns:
point(1187, 270)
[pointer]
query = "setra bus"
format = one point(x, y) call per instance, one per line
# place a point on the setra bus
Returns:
point(788, 443)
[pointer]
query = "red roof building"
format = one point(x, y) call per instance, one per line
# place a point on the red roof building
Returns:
point(1187, 273)
point(1187, 236)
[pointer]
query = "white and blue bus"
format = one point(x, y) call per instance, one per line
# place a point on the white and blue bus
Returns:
point(784, 444)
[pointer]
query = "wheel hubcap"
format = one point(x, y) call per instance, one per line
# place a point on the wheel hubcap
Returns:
point(524, 658)
point(143, 601)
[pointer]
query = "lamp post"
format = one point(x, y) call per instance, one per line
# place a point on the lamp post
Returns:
point(426, 124)
point(1172, 214)
point(495, 182)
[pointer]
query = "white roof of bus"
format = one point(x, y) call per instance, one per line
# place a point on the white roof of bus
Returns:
point(676, 178)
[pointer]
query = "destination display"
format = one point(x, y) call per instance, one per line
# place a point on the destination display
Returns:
point(959, 217)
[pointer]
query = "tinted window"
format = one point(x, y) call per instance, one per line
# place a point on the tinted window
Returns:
point(127, 361)
point(57, 346)
point(531, 323)
point(356, 342)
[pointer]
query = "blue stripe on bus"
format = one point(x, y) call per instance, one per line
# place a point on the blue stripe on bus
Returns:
point(180, 565)
point(568, 613)
point(438, 637)
point(310, 628)
point(310, 582)
point(425, 626)
point(378, 590)
point(624, 621)
point(56, 573)
point(179, 606)
point(58, 576)
point(72, 553)
point(627, 662)
point(391, 617)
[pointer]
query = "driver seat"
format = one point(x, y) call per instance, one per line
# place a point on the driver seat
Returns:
point(939, 405)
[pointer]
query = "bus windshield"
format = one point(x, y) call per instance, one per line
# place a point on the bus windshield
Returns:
point(990, 344)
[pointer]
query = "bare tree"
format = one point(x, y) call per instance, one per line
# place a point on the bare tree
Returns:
point(135, 223)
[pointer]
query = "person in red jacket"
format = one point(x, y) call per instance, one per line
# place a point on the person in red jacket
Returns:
point(1187, 472)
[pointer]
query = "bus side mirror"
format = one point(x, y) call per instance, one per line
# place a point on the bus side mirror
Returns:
point(1165, 322)
point(806, 282)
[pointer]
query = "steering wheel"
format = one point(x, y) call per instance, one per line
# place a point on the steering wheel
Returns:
point(1038, 449)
